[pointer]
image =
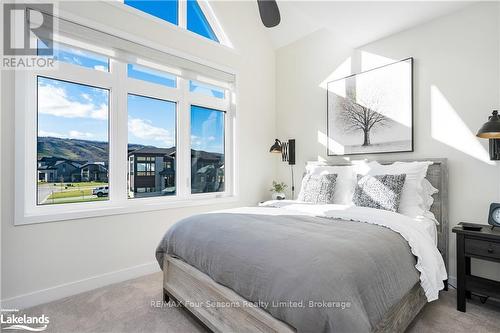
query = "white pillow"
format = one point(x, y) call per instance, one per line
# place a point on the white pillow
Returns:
point(427, 191)
point(412, 202)
point(346, 179)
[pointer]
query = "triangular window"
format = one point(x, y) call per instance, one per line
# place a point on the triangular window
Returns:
point(197, 22)
point(191, 15)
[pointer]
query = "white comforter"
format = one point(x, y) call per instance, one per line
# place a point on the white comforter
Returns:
point(430, 263)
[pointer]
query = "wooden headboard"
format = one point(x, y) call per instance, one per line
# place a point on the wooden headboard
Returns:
point(437, 175)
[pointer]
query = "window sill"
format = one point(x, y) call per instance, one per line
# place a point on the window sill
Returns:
point(107, 209)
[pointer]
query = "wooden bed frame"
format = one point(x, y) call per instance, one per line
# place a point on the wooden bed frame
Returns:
point(192, 288)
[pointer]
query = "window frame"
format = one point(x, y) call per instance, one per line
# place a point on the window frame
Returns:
point(119, 85)
point(182, 20)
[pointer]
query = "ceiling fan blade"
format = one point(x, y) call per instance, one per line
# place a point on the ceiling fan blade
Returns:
point(269, 13)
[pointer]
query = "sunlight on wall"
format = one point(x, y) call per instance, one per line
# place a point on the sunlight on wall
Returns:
point(343, 70)
point(334, 146)
point(338, 88)
point(447, 127)
point(370, 60)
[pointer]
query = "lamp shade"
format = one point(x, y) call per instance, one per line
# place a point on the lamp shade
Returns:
point(276, 147)
point(490, 129)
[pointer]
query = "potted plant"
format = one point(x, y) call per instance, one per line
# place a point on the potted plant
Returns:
point(278, 190)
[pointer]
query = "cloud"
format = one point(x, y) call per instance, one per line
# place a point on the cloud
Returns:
point(203, 144)
point(86, 97)
point(53, 100)
point(71, 135)
point(80, 135)
point(210, 125)
point(100, 68)
point(196, 141)
point(51, 134)
point(143, 129)
point(71, 59)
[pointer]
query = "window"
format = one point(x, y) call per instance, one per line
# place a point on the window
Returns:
point(151, 75)
point(206, 89)
point(151, 137)
point(71, 116)
point(164, 9)
point(207, 150)
point(76, 56)
point(102, 135)
point(197, 15)
point(197, 22)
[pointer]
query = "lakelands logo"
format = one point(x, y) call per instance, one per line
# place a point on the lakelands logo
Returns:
point(11, 320)
point(27, 36)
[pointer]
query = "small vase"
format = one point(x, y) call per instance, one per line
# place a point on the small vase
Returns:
point(278, 196)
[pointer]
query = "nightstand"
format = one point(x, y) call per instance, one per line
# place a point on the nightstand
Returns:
point(484, 245)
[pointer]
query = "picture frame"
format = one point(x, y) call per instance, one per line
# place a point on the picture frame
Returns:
point(371, 112)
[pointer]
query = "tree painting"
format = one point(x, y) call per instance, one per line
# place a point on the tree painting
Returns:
point(362, 117)
point(372, 111)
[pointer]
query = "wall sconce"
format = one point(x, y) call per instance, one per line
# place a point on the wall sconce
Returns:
point(491, 130)
point(287, 151)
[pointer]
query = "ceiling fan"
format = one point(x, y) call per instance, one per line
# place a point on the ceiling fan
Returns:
point(269, 13)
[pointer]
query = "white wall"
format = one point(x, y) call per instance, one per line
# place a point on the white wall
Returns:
point(46, 261)
point(456, 78)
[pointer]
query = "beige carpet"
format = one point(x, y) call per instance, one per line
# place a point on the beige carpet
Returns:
point(127, 307)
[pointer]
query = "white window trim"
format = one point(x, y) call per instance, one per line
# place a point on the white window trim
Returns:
point(26, 209)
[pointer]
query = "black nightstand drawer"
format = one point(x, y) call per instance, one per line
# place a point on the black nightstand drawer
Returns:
point(483, 244)
point(482, 248)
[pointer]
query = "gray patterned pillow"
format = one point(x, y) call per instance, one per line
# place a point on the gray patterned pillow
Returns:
point(381, 192)
point(318, 189)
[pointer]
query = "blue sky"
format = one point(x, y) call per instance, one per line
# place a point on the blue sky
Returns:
point(75, 111)
point(165, 9)
point(207, 129)
point(196, 21)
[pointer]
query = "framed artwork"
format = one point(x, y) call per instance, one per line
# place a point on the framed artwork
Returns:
point(371, 112)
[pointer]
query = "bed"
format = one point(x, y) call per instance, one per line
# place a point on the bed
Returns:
point(229, 279)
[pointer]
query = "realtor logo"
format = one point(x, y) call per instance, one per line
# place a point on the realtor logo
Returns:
point(11, 320)
point(22, 24)
point(27, 36)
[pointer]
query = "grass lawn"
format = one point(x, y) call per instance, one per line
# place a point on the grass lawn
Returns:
point(71, 194)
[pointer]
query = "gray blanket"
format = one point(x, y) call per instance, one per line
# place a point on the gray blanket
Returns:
point(316, 274)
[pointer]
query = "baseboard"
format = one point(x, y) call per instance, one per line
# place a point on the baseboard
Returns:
point(77, 287)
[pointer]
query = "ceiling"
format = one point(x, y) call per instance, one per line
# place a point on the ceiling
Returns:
point(355, 22)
